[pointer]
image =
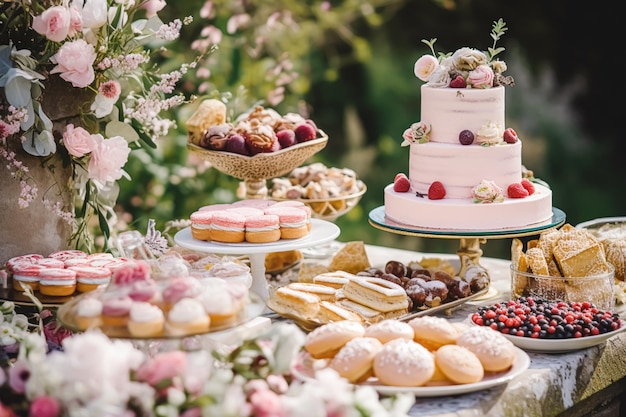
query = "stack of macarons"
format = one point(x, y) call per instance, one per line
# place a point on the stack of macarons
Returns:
point(251, 220)
point(62, 273)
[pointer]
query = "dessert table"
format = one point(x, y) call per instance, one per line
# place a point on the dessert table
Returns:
point(586, 382)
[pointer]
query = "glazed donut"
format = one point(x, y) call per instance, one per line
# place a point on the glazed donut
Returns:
point(355, 359)
point(433, 332)
point(494, 351)
point(459, 364)
point(404, 363)
point(389, 329)
point(325, 341)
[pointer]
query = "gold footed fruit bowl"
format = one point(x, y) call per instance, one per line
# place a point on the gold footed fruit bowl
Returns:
point(331, 208)
point(255, 170)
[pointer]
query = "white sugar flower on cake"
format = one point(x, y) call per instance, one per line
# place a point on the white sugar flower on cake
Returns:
point(466, 67)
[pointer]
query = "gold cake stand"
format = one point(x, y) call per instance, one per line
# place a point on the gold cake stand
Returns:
point(469, 251)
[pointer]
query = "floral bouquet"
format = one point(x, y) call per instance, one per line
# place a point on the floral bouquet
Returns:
point(78, 80)
point(96, 376)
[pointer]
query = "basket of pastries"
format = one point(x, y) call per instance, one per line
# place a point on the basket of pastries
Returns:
point(258, 145)
point(330, 192)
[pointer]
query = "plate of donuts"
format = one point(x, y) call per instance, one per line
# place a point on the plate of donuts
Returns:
point(305, 368)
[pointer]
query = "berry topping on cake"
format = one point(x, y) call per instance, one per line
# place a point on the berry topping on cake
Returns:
point(401, 183)
point(458, 82)
point(517, 190)
point(466, 137)
point(436, 191)
point(510, 136)
point(529, 186)
point(305, 132)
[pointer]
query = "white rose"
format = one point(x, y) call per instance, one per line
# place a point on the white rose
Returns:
point(425, 66)
point(487, 192)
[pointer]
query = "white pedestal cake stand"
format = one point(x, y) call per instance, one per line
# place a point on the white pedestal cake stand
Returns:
point(321, 232)
point(469, 250)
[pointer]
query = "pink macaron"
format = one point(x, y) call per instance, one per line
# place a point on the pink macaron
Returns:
point(228, 226)
point(63, 255)
point(215, 207)
point(246, 211)
point(201, 224)
point(23, 259)
point(259, 203)
point(294, 203)
point(50, 263)
point(26, 273)
point(263, 228)
point(88, 278)
point(293, 221)
point(57, 281)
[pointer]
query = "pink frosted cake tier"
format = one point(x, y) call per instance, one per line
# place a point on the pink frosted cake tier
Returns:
point(451, 110)
point(460, 167)
point(464, 214)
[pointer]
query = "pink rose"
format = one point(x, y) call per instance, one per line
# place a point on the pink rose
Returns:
point(44, 406)
point(75, 63)
point(162, 366)
point(425, 66)
point(132, 272)
point(107, 158)
point(152, 7)
point(481, 77)
point(77, 141)
point(54, 23)
point(76, 21)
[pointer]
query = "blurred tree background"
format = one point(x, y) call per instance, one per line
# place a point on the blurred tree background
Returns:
point(348, 65)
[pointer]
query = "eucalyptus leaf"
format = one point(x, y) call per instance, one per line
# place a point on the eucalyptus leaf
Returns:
point(117, 128)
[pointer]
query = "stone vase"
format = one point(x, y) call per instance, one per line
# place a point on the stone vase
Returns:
point(36, 229)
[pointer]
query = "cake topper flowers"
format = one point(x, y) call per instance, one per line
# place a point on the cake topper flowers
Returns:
point(93, 57)
point(466, 67)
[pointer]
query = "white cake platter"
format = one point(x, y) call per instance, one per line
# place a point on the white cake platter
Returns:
point(322, 232)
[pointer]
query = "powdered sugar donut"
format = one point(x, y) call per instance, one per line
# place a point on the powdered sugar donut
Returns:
point(355, 359)
point(325, 341)
point(433, 332)
point(404, 363)
point(494, 351)
point(390, 329)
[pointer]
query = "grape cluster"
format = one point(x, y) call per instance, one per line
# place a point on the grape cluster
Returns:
point(537, 318)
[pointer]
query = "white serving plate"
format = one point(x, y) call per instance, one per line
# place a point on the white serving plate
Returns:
point(561, 345)
point(530, 344)
point(304, 368)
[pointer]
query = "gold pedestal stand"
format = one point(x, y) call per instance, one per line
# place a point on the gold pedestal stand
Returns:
point(469, 251)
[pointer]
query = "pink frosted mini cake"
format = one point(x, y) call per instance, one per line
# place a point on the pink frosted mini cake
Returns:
point(465, 165)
